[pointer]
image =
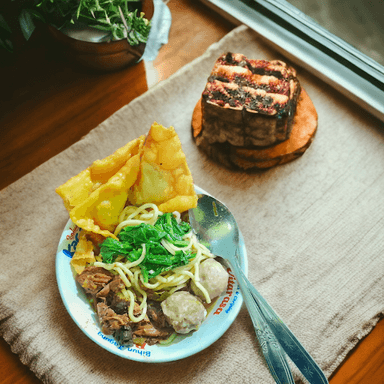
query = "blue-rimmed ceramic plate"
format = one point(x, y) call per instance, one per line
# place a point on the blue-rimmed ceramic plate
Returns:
point(219, 319)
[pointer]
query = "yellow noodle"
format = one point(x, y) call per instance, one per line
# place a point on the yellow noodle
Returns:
point(197, 269)
point(172, 248)
point(174, 289)
point(137, 287)
point(161, 279)
point(125, 293)
point(132, 306)
point(170, 278)
point(109, 267)
point(123, 276)
point(124, 268)
point(127, 223)
point(167, 246)
point(170, 281)
point(126, 212)
point(176, 281)
point(204, 291)
point(148, 285)
point(127, 216)
point(144, 207)
point(188, 274)
point(176, 214)
point(187, 267)
point(138, 261)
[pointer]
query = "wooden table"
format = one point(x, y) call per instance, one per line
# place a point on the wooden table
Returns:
point(48, 104)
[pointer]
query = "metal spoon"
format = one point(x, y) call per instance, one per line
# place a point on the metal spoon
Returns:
point(216, 227)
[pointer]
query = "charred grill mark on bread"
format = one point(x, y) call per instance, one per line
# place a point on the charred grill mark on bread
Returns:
point(255, 158)
point(253, 114)
point(249, 102)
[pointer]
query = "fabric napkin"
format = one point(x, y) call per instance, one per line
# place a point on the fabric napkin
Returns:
point(160, 26)
point(313, 229)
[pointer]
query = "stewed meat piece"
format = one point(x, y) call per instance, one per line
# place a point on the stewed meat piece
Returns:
point(93, 279)
point(110, 321)
point(115, 285)
point(112, 309)
point(156, 315)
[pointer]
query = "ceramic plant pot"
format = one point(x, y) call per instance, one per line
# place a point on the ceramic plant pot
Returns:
point(100, 55)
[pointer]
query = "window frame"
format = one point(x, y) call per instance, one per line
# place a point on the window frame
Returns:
point(312, 47)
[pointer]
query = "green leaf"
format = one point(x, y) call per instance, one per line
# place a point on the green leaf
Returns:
point(5, 35)
point(175, 231)
point(141, 234)
point(111, 248)
point(102, 14)
point(6, 44)
point(4, 25)
point(157, 258)
point(144, 272)
point(26, 23)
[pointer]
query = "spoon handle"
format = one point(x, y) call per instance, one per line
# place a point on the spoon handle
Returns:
point(284, 335)
point(274, 355)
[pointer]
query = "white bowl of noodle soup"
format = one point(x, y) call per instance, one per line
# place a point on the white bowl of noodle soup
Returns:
point(221, 313)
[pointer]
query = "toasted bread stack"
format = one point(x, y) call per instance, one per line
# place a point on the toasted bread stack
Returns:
point(253, 114)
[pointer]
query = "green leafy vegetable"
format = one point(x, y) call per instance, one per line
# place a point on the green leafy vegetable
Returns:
point(5, 35)
point(112, 248)
point(115, 16)
point(157, 259)
point(121, 18)
point(139, 234)
point(175, 231)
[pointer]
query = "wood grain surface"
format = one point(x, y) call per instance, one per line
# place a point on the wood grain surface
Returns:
point(47, 104)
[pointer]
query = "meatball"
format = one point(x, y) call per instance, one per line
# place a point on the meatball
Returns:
point(183, 311)
point(213, 277)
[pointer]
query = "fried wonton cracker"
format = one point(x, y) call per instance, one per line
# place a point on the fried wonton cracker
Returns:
point(79, 187)
point(84, 254)
point(164, 178)
point(97, 195)
point(99, 213)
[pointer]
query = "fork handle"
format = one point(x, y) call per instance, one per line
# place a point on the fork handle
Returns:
point(284, 336)
point(288, 341)
point(274, 355)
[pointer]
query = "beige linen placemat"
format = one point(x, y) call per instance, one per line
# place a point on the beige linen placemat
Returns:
point(313, 228)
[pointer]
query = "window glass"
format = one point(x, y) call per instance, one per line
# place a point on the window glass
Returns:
point(358, 22)
point(341, 41)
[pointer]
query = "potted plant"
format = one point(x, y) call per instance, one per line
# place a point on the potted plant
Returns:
point(101, 34)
